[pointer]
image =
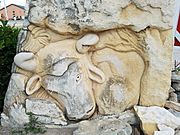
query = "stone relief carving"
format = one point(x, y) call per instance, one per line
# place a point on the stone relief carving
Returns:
point(79, 71)
point(64, 71)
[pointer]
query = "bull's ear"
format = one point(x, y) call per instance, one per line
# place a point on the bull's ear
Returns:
point(96, 74)
point(33, 84)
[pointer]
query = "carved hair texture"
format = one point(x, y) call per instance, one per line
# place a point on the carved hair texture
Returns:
point(37, 39)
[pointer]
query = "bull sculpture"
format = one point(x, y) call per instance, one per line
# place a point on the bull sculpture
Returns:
point(65, 71)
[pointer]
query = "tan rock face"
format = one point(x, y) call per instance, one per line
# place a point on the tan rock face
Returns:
point(122, 87)
point(154, 118)
point(93, 57)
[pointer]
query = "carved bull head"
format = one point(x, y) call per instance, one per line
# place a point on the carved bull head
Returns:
point(65, 73)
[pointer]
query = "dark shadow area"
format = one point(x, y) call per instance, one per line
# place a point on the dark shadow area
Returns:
point(8, 42)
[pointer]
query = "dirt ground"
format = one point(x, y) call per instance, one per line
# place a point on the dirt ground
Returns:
point(62, 131)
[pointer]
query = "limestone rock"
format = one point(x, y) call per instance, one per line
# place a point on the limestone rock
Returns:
point(152, 116)
point(164, 130)
point(175, 77)
point(51, 121)
point(171, 90)
point(136, 131)
point(173, 105)
point(5, 122)
point(173, 96)
point(176, 86)
point(17, 116)
point(177, 131)
point(159, 57)
point(128, 116)
point(46, 111)
point(85, 57)
point(174, 112)
point(67, 16)
point(15, 92)
point(103, 127)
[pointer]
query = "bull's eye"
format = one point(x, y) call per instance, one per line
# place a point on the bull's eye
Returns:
point(78, 77)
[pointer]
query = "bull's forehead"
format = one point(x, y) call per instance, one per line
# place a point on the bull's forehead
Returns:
point(57, 51)
point(62, 66)
point(61, 48)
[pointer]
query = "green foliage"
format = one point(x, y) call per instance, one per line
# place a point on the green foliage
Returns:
point(8, 41)
point(4, 22)
point(33, 127)
point(176, 67)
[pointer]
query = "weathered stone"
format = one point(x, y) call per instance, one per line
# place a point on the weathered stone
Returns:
point(159, 57)
point(174, 112)
point(171, 90)
point(51, 120)
point(173, 105)
point(103, 127)
point(178, 96)
point(152, 116)
point(164, 130)
point(176, 86)
point(175, 78)
point(17, 117)
point(46, 111)
point(136, 131)
point(88, 57)
point(15, 92)
point(128, 116)
point(177, 131)
point(67, 16)
point(5, 122)
point(173, 97)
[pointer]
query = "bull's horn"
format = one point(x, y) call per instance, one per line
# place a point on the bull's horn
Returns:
point(26, 61)
point(85, 42)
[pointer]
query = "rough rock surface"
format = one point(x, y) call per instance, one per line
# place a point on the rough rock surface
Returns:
point(150, 117)
point(91, 57)
point(17, 117)
point(177, 131)
point(103, 127)
point(175, 113)
point(173, 105)
point(46, 111)
point(127, 117)
point(172, 95)
point(176, 86)
point(175, 77)
point(74, 16)
point(15, 92)
point(164, 130)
